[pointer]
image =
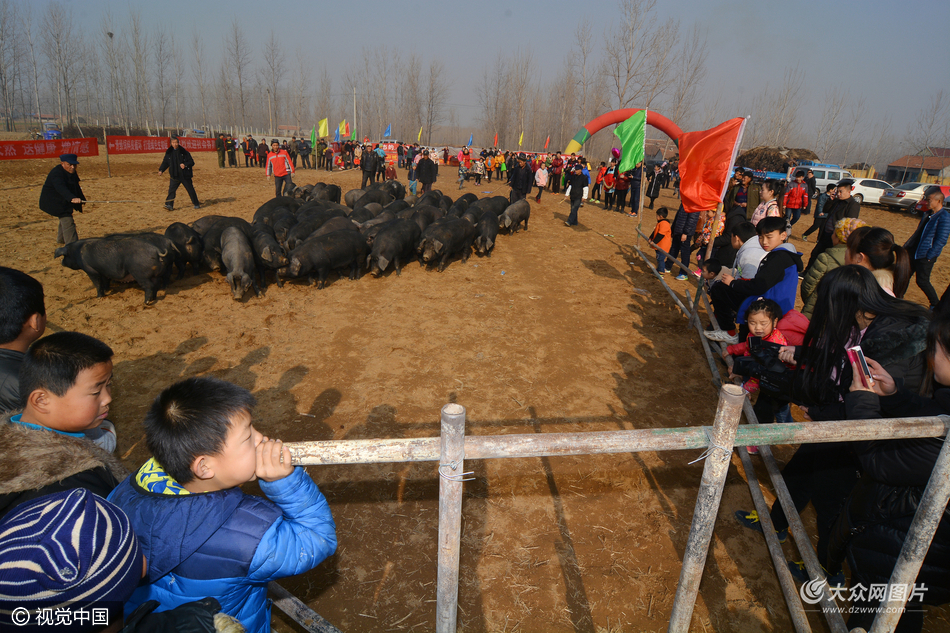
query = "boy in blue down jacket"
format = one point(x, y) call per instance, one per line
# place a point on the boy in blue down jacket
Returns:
point(201, 535)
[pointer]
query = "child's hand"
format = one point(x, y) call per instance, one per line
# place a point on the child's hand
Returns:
point(273, 460)
point(725, 354)
point(726, 278)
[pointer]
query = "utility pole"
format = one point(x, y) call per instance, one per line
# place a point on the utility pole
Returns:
point(354, 110)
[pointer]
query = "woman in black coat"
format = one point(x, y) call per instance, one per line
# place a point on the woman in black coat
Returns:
point(851, 309)
point(871, 529)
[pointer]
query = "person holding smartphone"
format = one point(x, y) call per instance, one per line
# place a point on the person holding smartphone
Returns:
point(871, 529)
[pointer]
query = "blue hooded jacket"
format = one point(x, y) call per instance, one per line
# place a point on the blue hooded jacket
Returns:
point(224, 544)
point(776, 278)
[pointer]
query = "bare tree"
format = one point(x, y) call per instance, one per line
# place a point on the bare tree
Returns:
point(140, 65)
point(238, 55)
point(584, 79)
point(31, 38)
point(856, 114)
point(931, 126)
point(436, 94)
point(8, 27)
point(60, 47)
point(639, 60)
point(828, 132)
point(163, 58)
point(325, 96)
point(880, 142)
point(274, 69)
point(225, 93)
point(563, 102)
point(778, 109)
point(494, 100)
point(300, 107)
point(410, 97)
point(197, 71)
point(520, 72)
point(178, 68)
point(113, 60)
point(689, 75)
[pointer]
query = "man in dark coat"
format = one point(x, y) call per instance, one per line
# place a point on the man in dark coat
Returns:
point(521, 179)
point(812, 183)
point(844, 206)
point(179, 163)
point(577, 183)
point(368, 162)
point(220, 147)
point(61, 195)
point(425, 172)
point(654, 181)
point(231, 145)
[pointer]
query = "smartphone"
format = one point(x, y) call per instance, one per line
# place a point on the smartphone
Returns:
point(856, 355)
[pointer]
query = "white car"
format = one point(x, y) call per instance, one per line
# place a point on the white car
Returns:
point(868, 190)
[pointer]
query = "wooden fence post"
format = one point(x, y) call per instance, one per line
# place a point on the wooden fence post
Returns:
point(718, 458)
point(917, 542)
point(450, 516)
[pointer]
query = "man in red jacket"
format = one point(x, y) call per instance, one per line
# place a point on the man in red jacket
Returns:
point(280, 167)
point(796, 197)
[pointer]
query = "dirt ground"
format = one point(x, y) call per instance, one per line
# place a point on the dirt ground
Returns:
point(561, 330)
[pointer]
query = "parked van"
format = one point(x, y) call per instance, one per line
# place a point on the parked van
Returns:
point(824, 174)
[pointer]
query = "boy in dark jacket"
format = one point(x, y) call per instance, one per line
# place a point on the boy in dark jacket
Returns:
point(201, 534)
point(179, 163)
point(775, 278)
point(821, 211)
point(61, 195)
point(65, 389)
point(22, 321)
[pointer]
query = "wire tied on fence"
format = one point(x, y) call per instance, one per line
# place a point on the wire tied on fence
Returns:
point(454, 477)
point(712, 446)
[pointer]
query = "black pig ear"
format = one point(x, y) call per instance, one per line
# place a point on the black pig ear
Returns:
point(437, 244)
point(488, 244)
point(60, 252)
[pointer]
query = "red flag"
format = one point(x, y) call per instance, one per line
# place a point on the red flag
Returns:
point(347, 131)
point(706, 159)
point(496, 139)
point(547, 141)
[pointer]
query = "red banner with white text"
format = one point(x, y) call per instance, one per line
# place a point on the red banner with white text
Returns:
point(155, 144)
point(18, 150)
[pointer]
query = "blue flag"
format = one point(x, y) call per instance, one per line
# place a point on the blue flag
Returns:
point(389, 131)
point(470, 139)
point(336, 138)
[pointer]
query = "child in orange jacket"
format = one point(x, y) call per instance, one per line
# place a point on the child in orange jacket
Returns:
point(661, 239)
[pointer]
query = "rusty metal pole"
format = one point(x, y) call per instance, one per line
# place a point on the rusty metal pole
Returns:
point(917, 542)
point(718, 458)
point(450, 516)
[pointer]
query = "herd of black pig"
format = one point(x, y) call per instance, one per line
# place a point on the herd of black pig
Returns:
point(304, 236)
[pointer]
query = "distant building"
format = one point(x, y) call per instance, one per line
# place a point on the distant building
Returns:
point(933, 162)
point(658, 151)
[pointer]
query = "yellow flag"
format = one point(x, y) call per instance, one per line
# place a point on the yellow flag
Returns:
point(324, 128)
point(419, 138)
point(343, 127)
point(520, 138)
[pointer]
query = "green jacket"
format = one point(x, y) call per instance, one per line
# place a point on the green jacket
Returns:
point(752, 203)
point(828, 260)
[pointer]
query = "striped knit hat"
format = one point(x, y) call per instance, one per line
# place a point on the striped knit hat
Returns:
point(67, 547)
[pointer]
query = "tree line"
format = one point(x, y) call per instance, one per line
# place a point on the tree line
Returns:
point(133, 75)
